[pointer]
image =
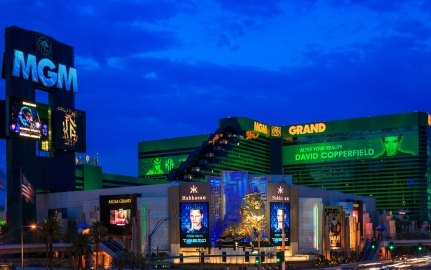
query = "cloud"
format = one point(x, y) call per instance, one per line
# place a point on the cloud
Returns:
point(268, 8)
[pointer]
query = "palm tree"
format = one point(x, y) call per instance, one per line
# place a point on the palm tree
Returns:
point(50, 231)
point(80, 247)
point(97, 232)
point(3, 231)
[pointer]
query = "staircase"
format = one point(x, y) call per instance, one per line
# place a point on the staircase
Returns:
point(112, 247)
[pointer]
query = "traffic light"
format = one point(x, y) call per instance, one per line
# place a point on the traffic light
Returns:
point(420, 247)
point(374, 245)
point(391, 246)
point(262, 256)
point(280, 257)
point(257, 259)
point(247, 256)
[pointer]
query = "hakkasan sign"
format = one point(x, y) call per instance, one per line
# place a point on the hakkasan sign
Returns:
point(343, 150)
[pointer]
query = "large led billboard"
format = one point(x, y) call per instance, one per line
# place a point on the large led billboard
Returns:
point(194, 227)
point(28, 119)
point(390, 146)
point(69, 129)
point(334, 216)
point(119, 217)
point(160, 165)
point(117, 212)
point(279, 215)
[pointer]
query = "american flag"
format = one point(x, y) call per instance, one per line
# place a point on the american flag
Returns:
point(27, 190)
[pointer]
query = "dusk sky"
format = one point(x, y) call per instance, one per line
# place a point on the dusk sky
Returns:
point(158, 69)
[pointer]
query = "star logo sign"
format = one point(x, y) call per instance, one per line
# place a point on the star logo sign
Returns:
point(280, 190)
point(194, 189)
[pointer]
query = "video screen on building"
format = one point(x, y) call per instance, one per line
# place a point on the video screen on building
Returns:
point(28, 119)
point(388, 146)
point(194, 227)
point(279, 212)
point(160, 165)
point(117, 213)
point(334, 216)
point(119, 217)
point(69, 129)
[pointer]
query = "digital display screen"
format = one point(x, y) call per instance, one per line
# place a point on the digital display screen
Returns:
point(28, 119)
point(334, 215)
point(194, 229)
point(160, 165)
point(279, 212)
point(117, 213)
point(119, 217)
point(69, 129)
point(390, 146)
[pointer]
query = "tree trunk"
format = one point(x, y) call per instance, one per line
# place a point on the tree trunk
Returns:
point(50, 255)
point(97, 254)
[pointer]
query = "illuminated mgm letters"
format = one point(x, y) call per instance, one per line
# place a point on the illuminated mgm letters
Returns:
point(44, 72)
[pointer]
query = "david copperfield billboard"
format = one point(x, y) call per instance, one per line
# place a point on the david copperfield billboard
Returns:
point(279, 215)
point(194, 211)
point(117, 211)
point(389, 146)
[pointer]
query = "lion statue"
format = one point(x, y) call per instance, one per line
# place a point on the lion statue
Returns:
point(252, 219)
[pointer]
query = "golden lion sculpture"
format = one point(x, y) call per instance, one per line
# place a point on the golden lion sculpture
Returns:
point(252, 219)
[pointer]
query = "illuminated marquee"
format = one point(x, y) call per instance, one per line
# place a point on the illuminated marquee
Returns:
point(280, 196)
point(261, 128)
point(276, 131)
point(114, 201)
point(44, 72)
point(307, 129)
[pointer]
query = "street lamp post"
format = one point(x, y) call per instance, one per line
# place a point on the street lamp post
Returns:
point(32, 227)
point(156, 227)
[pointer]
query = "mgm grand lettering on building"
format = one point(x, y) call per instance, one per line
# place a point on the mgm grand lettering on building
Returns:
point(261, 128)
point(44, 72)
point(115, 201)
point(307, 129)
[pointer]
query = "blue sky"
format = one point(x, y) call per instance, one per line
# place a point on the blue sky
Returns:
point(159, 69)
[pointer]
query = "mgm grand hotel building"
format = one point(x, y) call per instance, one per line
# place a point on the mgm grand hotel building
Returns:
point(383, 157)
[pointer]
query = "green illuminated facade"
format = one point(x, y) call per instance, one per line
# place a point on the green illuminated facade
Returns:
point(91, 177)
point(386, 157)
point(234, 146)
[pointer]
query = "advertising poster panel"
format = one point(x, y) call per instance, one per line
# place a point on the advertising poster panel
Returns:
point(334, 222)
point(28, 119)
point(194, 224)
point(117, 211)
point(279, 215)
point(390, 146)
point(69, 129)
point(194, 215)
